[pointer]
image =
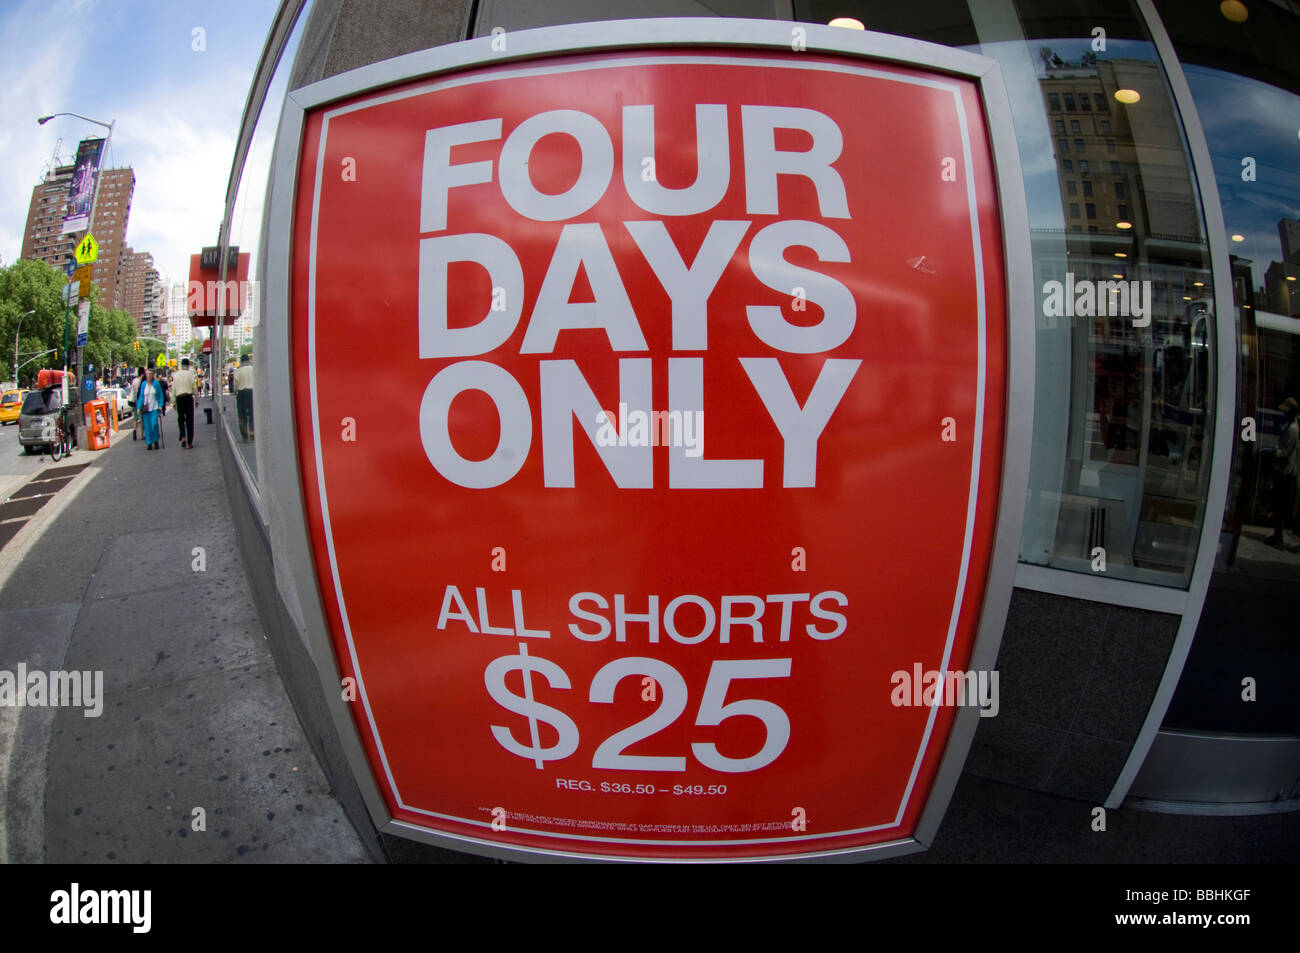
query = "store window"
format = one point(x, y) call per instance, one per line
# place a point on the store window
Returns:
point(235, 363)
point(1245, 80)
point(1123, 400)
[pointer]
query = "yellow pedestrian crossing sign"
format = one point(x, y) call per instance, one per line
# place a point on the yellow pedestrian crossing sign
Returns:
point(88, 250)
point(161, 361)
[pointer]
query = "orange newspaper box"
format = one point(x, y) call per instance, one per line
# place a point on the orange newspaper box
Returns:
point(97, 424)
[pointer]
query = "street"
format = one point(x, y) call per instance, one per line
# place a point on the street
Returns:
point(16, 465)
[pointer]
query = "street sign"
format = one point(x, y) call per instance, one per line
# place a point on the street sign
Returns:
point(706, 485)
point(70, 293)
point(83, 322)
point(87, 250)
point(82, 274)
point(160, 361)
point(210, 258)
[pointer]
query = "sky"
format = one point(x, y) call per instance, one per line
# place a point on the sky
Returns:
point(177, 107)
point(1246, 118)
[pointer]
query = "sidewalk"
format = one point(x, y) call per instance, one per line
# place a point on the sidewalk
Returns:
point(133, 570)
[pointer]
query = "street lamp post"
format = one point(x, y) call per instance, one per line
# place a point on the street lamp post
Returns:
point(90, 225)
point(16, 331)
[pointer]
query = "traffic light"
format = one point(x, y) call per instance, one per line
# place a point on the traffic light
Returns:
point(137, 345)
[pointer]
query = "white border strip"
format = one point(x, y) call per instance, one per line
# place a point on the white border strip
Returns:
point(1108, 589)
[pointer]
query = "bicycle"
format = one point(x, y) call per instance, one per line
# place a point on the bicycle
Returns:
point(62, 445)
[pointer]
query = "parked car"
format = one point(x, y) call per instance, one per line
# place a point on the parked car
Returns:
point(36, 418)
point(11, 402)
point(123, 407)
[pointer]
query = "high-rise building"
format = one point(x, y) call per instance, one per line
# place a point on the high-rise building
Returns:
point(175, 307)
point(1288, 229)
point(179, 330)
point(137, 287)
point(42, 238)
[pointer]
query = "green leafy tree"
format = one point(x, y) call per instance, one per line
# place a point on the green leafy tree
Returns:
point(109, 336)
point(30, 286)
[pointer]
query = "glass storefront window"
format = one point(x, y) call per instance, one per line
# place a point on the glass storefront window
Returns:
point(1125, 336)
point(237, 376)
point(1126, 329)
point(1244, 79)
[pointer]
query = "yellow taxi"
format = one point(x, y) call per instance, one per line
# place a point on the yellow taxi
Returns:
point(10, 403)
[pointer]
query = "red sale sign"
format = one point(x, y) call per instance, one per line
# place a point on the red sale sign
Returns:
point(651, 413)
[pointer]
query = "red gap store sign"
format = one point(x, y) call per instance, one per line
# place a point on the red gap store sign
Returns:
point(652, 419)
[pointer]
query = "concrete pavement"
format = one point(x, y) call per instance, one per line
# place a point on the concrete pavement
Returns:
point(132, 570)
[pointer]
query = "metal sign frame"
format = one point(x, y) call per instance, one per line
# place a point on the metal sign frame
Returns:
point(282, 457)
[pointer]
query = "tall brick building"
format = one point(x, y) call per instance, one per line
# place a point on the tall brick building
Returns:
point(41, 238)
point(137, 287)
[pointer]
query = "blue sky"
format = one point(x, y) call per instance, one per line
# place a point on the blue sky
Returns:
point(177, 108)
point(1243, 117)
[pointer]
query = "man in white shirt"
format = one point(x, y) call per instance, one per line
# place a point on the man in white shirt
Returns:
point(244, 396)
point(183, 390)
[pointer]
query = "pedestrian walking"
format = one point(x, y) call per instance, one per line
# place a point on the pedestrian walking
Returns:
point(150, 403)
point(184, 389)
point(135, 403)
point(1286, 467)
point(244, 396)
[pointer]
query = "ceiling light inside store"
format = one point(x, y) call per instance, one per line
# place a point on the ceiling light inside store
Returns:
point(1238, 238)
point(1123, 224)
point(1117, 276)
point(1198, 284)
point(1121, 254)
point(1127, 96)
point(848, 23)
point(1234, 10)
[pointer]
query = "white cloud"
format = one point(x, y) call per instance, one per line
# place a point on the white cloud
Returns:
point(32, 84)
point(180, 141)
point(175, 127)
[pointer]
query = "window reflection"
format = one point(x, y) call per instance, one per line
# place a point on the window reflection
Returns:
point(1248, 119)
point(1118, 471)
point(1122, 402)
point(239, 376)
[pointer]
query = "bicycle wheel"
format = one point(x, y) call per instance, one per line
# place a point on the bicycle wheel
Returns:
point(56, 449)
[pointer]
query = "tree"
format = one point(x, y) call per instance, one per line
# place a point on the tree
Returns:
point(109, 335)
point(24, 286)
